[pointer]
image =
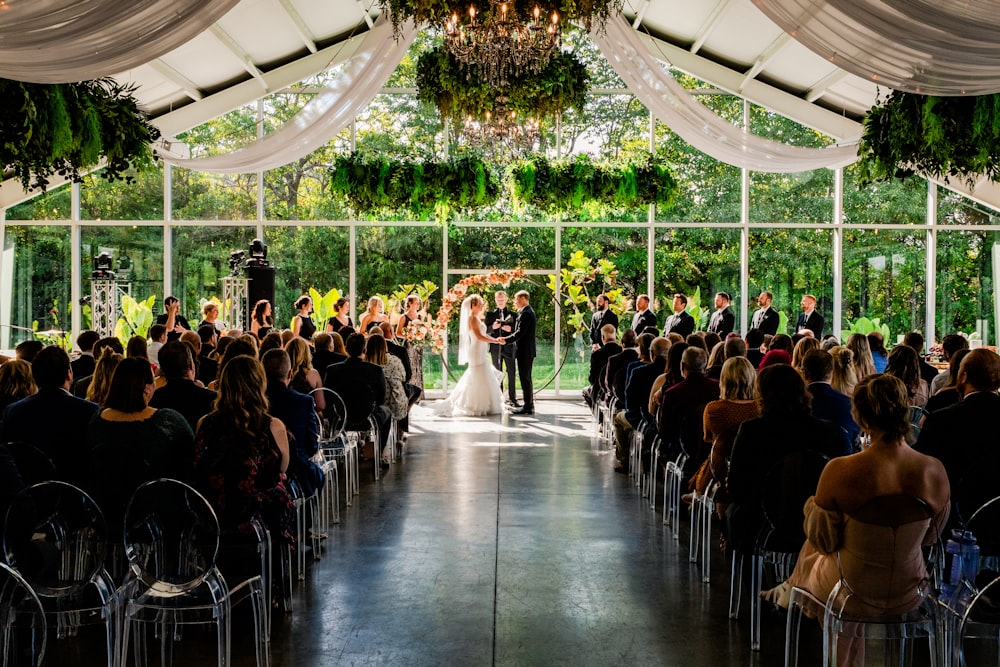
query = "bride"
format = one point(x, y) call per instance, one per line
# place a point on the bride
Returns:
point(478, 392)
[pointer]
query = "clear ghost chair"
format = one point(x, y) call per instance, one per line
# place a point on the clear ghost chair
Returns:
point(22, 621)
point(334, 447)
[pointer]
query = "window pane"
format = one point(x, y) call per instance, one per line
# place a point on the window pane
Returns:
point(52, 205)
point(35, 282)
point(501, 247)
point(884, 279)
point(201, 260)
point(955, 209)
point(892, 202)
point(966, 274)
point(203, 196)
point(802, 197)
point(138, 258)
point(790, 263)
point(305, 257)
point(142, 199)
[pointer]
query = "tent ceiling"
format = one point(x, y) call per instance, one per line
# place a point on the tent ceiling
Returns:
point(262, 46)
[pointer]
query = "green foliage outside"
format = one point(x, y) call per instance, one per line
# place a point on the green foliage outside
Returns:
point(865, 326)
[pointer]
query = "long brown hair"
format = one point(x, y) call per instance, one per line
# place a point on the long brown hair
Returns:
point(300, 356)
point(242, 400)
point(16, 380)
point(375, 350)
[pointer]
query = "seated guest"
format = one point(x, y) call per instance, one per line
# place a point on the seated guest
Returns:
point(100, 383)
point(401, 353)
point(598, 359)
point(754, 340)
point(298, 413)
point(162, 437)
point(680, 418)
point(864, 364)
point(697, 339)
point(827, 402)
point(845, 376)
point(638, 388)
point(950, 394)
point(180, 392)
point(172, 319)
point(237, 348)
point(83, 365)
point(882, 563)
point(305, 378)
point(323, 354)
point(671, 376)
point(241, 454)
point(904, 364)
point(209, 336)
point(361, 385)
point(711, 340)
point(950, 344)
point(880, 357)
point(618, 362)
point(157, 337)
point(136, 348)
point(775, 358)
point(963, 436)
point(781, 342)
point(52, 419)
point(716, 357)
point(16, 382)
point(722, 420)
point(802, 348)
point(915, 340)
point(27, 350)
point(392, 369)
point(272, 341)
point(785, 425)
point(205, 368)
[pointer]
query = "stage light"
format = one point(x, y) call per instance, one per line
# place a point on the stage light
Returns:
point(103, 264)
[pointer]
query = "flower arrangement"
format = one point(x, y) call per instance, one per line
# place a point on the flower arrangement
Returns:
point(493, 278)
point(417, 332)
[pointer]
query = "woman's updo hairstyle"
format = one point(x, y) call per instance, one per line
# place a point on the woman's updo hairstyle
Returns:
point(302, 301)
point(882, 405)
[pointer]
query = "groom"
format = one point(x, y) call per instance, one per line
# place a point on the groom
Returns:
point(523, 339)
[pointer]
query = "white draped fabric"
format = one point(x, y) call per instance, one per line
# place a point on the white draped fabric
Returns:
point(929, 47)
point(324, 116)
point(60, 41)
point(672, 104)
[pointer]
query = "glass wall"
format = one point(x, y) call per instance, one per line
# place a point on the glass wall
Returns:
point(200, 261)
point(137, 252)
point(790, 263)
point(35, 284)
point(967, 262)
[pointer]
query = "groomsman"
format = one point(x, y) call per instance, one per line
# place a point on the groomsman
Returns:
point(722, 321)
point(602, 315)
point(681, 321)
point(644, 319)
point(500, 322)
point(809, 319)
point(766, 318)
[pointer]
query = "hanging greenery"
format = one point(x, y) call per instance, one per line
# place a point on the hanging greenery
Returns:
point(567, 185)
point(458, 93)
point(372, 184)
point(943, 137)
point(67, 128)
point(587, 13)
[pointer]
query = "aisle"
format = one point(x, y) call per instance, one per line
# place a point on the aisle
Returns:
point(506, 541)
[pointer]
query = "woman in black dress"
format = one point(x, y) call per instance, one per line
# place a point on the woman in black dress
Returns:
point(261, 320)
point(342, 318)
point(414, 349)
point(303, 324)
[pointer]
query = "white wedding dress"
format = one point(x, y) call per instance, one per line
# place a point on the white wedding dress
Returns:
point(478, 391)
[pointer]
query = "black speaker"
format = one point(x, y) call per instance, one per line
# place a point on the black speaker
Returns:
point(262, 287)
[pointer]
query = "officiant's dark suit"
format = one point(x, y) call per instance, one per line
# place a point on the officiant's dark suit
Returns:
point(503, 355)
point(524, 352)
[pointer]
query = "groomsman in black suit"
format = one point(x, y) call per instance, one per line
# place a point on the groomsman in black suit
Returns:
point(766, 319)
point(644, 319)
point(809, 319)
point(681, 321)
point(500, 322)
point(722, 321)
point(603, 315)
point(523, 340)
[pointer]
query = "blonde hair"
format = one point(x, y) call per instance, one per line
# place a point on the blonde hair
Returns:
point(864, 364)
point(736, 382)
point(845, 376)
point(802, 348)
point(16, 380)
point(882, 404)
point(300, 356)
point(373, 302)
point(104, 370)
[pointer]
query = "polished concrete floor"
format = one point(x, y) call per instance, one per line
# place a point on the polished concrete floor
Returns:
point(509, 541)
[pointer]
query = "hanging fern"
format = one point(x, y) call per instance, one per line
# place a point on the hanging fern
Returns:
point(67, 128)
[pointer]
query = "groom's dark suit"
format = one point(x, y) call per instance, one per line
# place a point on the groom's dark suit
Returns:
point(524, 352)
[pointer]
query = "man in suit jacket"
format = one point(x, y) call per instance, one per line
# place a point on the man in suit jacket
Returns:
point(754, 339)
point(602, 316)
point(644, 319)
point(53, 420)
point(681, 321)
point(298, 413)
point(638, 386)
point(681, 415)
point(809, 319)
point(827, 402)
point(180, 393)
point(500, 322)
point(964, 436)
point(723, 321)
point(598, 360)
point(617, 363)
point(206, 369)
point(765, 319)
point(84, 364)
point(361, 385)
point(523, 339)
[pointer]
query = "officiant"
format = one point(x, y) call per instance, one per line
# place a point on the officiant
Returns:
point(500, 322)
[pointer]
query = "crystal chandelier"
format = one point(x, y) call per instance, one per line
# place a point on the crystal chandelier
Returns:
point(502, 46)
point(502, 134)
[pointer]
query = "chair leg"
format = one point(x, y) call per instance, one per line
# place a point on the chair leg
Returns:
point(694, 535)
point(756, 585)
point(708, 509)
point(735, 586)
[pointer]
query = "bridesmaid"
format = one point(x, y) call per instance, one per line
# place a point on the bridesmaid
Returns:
point(342, 318)
point(261, 320)
point(414, 350)
point(303, 325)
point(375, 313)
